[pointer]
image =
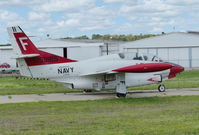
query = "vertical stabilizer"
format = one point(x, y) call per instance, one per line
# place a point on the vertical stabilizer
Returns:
point(27, 54)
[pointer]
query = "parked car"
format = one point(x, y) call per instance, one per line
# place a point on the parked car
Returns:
point(5, 65)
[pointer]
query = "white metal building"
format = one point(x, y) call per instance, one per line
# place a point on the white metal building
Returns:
point(179, 47)
point(70, 49)
point(6, 58)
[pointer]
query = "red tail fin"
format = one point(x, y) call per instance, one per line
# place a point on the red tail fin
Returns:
point(27, 47)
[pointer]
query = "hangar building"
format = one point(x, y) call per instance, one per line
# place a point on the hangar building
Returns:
point(179, 47)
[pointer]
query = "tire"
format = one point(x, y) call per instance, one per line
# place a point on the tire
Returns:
point(161, 88)
point(120, 95)
point(87, 90)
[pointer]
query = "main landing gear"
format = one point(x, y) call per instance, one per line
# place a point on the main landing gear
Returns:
point(121, 90)
point(161, 88)
point(121, 95)
point(87, 90)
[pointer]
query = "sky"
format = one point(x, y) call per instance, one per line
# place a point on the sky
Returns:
point(63, 18)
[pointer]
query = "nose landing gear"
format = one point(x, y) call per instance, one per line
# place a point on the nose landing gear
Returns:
point(161, 88)
point(121, 95)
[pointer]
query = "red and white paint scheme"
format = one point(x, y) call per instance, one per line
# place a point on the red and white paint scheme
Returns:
point(117, 71)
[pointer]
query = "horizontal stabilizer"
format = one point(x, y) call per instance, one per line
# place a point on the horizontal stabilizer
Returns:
point(26, 56)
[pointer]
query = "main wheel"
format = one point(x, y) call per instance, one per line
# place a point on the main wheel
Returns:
point(87, 90)
point(161, 88)
point(120, 95)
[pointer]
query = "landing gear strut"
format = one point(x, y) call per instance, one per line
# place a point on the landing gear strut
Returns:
point(121, 85)
point(161, 88)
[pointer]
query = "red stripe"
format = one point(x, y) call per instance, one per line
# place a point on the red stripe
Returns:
point(147, 67)
point(45, 58)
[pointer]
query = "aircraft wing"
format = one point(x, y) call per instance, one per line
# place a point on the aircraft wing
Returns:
point(139, 68)
point(98, 73)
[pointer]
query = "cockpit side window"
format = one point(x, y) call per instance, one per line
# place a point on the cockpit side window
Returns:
point(155, 58)
point(145, 57)
point(137, 57)
point(122, 56)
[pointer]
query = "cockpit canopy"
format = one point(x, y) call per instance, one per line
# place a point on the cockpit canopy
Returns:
point(139, 56)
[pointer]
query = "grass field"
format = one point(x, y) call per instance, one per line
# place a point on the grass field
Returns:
point(10, 85)
point(143, 116)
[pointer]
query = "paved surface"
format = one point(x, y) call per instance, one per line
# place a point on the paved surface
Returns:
point(93, 96)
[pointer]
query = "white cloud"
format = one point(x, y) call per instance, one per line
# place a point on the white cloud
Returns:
point(97, 18)
point(150, 8)
point(34, 16)
point(10, 3)
point(153, 15)
point(63, 5)
point(157, 29)
point(183, 2)
point(69, 23)
point(132, 2)
point(91, 28)
point(128, 28)
point(58, 17)
point(113, 1)
point(10, 18)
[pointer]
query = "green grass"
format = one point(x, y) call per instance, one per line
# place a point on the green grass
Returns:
point(142, 116)
point(10, 85)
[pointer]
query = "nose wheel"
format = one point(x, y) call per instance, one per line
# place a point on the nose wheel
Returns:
point(161, 88)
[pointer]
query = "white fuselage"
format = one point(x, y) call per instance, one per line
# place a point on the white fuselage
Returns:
point(90, 74)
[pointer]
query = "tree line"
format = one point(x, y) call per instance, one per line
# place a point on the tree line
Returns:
point(129, 37)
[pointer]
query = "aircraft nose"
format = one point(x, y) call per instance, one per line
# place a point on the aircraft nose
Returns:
point(176, 69)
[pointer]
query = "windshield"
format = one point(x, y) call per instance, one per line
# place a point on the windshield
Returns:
point(139, 56)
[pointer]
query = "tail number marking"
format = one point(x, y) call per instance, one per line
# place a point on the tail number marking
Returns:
point(23, 44)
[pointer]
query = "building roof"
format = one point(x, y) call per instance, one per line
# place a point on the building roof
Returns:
point(54, 43)
point(170, 40)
